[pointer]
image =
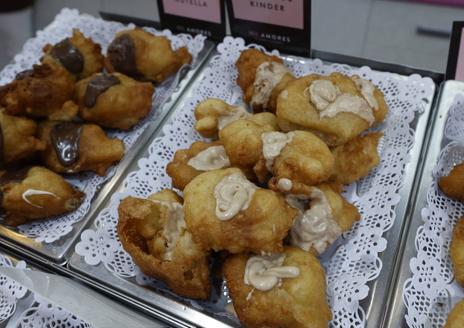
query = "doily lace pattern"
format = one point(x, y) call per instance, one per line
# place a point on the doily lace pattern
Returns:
point(431, 291)
point(101, 32)
point(350, 264)
point(39, 312)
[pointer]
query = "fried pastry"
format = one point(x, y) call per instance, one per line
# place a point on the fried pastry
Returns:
point(154, 233)
point(225, 211)
point(142, 55)
point(452, 185)
point(284, 290)
point(336, 108)
point(36, 193)
point(39, 92)
point(79, 55)
point(456, 316)
point(199, 158)
point(113, 100)
point(355, 159)
point(298, 156)
point(212, 115)
point(17, 139)
point(323, 215)
point(456, 251)
point(242, 139)
point(73, 147)
point(261, 77)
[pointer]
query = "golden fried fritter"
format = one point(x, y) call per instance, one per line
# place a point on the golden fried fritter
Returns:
point(297, 302)
point(452, 185)
point(242, 140)
point(142, 55)
point(355, 159)
point(331, 106)
point(18, 142)
point(456, 316)
point(154, 233)
point(79, 55)
point(456, 251)
point(113, 100)
point(303, 157)
point(36, 193)
point(214, 114)
point(182, 172)
point(73, 147)
point(224, 211)
point(39, 92)
point(261, 77)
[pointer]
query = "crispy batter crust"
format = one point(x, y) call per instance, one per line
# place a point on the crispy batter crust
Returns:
point(298, 303)
point(452, 185)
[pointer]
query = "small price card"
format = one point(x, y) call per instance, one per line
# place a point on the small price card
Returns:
point(205, 17)
point(281, 24)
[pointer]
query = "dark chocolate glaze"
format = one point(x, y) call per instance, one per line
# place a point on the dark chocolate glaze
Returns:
point(69, 56)
point(22, 75)
point(97, 86)
point(121, 54)
point(65, 138)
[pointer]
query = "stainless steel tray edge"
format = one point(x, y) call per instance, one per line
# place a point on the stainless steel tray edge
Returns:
point(58, 251)
point(396, 310)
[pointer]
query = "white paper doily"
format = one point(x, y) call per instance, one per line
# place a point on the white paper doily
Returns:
point(38, 312)
point(350, 264)
point(103, 33)
point(430, 293)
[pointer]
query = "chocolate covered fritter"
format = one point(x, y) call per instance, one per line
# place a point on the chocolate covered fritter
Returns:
point(39, 92)
point(199, 158)
point(452, 184)
point(457, 251)
point(337, 108)
point(113, 100)
point(79, 55)
point(456, 316)
point(142, 55)
point(18, 142)
point(36, 193)
point(283, 290)
point(261, 77)
point(355, 159)
point(73, 147)
point(154, 233)
point(225, 211)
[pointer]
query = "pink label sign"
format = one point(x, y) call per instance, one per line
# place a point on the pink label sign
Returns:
point(287, 13)
point(460, 63)
point(205, 10)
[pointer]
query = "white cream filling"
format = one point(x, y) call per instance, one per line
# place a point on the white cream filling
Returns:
point(273, 143)
point(330, 101)
point(284, 184)
point(314, 227)
point(265, 272)
point(32, 192)
point(233, 194)
point(173, 228)
point(212, 158)
point(367, 89)
point(232, 114)
point(268, 75)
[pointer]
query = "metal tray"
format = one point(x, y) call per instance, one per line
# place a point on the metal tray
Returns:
point(58, 250)
point(396, 309)
point(374, 305)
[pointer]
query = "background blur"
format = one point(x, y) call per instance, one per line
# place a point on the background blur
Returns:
point(404, 32)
